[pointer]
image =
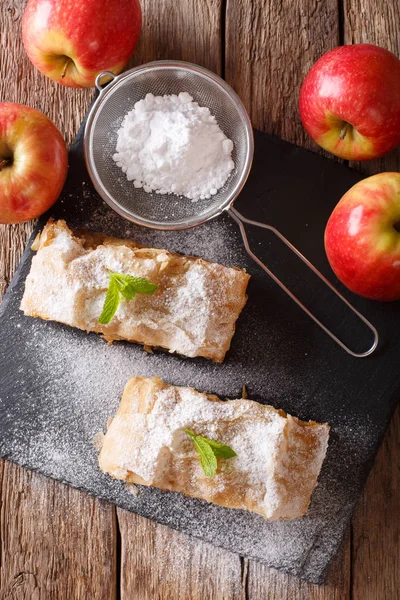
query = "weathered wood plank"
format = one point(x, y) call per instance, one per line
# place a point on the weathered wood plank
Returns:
point(169, 24)
point(184, 30)
point(279, 42)
point(13, 240)
point(376, 529)
point(376, 526)
point(55, 542)
point(374, 22)
point(21, 82)
point(266, 584)
point(264, 70)
point(158, 563)
point(270, 46)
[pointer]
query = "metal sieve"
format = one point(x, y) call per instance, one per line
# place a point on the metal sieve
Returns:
point(169, 212)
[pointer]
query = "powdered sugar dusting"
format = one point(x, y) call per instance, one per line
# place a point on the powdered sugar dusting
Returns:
point(171, 145)
point(277, 459)
point(79, 380)
point(59, 386)
point(218, 240)
point(193, 311)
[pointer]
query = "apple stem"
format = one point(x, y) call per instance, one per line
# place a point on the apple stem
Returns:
point(3, 163)
point(63, 74)
point(345, 129)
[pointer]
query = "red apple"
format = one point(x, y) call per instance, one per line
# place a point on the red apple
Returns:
point(71, 41)
point(350, 102)
point(362, 239)
point(33, 163)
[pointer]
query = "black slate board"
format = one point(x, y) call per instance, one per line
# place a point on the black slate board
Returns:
point(58, 386)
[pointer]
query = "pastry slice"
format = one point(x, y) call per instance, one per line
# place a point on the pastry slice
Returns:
point(193, 311)
point(278, 457)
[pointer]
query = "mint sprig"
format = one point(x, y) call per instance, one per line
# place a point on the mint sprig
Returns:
point(209, 451)
point(111, 302)
point(126, 286)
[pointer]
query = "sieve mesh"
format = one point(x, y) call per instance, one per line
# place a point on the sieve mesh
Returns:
point(164, 211)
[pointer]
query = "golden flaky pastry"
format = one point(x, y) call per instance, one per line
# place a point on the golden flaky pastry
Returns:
point(193, 312)
point(278, 457)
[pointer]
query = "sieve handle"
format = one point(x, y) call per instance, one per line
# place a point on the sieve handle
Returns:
point(100, 77)
point(241, 220)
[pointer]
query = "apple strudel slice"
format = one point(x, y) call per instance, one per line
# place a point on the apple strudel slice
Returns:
point(192, 312)
point(271, 469)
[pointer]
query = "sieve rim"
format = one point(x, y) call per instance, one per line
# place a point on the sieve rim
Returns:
point(104, 94)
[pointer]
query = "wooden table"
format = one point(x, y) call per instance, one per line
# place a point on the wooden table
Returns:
point(57, 543)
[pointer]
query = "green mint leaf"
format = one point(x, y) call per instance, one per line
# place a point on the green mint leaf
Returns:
point(142, 285)
point(208, 451)
point(138, 285)
point(111, 303)
point(190, 433)
point(220, 450)
point(208, 459)
point(118, 278)
point(128, 292)
point(126, 286)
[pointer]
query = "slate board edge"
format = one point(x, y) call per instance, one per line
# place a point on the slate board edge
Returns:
point(76, 151)
point(303, 575)
point(28, 253)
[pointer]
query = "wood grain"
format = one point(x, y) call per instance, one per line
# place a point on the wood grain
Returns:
point(13, 240)
point(21, 82)
point(58, 543)
point(279, 42)
point(183, 30)
point(267, 584)
point(170, 565)
point(55, 542)
point(375, 527)
point(158, 563)
point(270, 46)
point(374, 22)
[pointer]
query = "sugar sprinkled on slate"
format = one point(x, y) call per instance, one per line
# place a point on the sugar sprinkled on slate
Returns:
point(75, 404)
point(210, 241)
point(71, 383)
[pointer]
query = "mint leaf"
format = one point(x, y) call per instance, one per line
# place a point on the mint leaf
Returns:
point(128, 292)
point(208, 451)
point(220, 450)
point(207, 457)
point(111, 303)
point(138, 285)
point(142, 285)
point(126, 286)
point(119, 278)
